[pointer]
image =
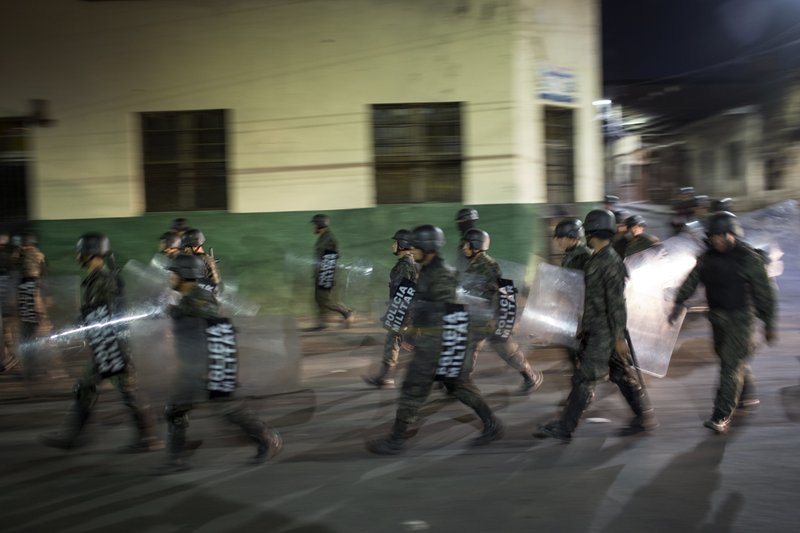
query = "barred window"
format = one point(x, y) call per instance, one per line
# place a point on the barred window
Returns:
point(184, 158)
point(418, 152)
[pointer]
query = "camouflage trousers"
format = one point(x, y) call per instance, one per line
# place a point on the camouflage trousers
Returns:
point(420, 377)
point(232, 410)
point(325, 304)
point(508, 350)
point(734, 344)
point(391, 349)
point(86, 397)
point(597, 360)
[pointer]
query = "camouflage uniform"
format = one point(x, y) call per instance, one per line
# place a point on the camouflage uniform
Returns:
point(100, 287)
point(603, 323)
point(32, 266)
point(576, 257)
point(481, 279)
point(640, 243)
point(189, 326)
point(435, 287)
point(619, 243)
point(737, 288)
point(404, 269)
point(6, 306)
point(326, 242)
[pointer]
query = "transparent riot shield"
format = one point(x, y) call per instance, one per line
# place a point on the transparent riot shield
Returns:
point(516, 272)
point(554, 306)
point(358, 286)
point(177, 359)
point(655, 274)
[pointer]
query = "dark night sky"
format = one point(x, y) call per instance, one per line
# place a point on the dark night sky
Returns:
point(647, 39)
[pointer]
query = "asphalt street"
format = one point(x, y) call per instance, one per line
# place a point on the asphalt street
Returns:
point(681, 477)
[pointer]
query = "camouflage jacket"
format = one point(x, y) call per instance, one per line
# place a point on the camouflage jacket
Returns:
point(31, 262)
point(100, 287)
point(640, 243)
point(405, 268)
point(435, 287)
point(734, 280)
point(482, 278)
point(212, 272)
point(576, 257)
point(604, 311)
point(326, 242)
point(619, 242)
point(198, 303)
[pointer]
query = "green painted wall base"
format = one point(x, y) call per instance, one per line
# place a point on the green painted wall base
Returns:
point(268, 255)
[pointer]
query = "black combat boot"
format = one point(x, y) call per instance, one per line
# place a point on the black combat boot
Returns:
point(147, 441)
point(553, 430)
point(393, 444)
point(532, 380)
point(68, 439)
point(492, 430)
point(382, 379)
point(269, 443)
point(645, 418)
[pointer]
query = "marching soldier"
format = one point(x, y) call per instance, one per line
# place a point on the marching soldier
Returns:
point(621, 238)
point(435, 288)
point(737, 288)
point(639, 241)
point(100, 295)
point(326, 251)
point(604, 350)
point(481, 279)
point(192, 242)
point(191, 317)
point(465, 221)
point(569, 238)
point(404, 269)
point(32, 267)
point(8, 359)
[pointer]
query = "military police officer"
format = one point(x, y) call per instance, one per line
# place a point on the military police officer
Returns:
point(190, 317)
point(100, 291)
point(404, 269)
point(326, 252)
point(737, 288)
point(604, 350)
point(481, 279)
point(8, 359)
point(639, 241)
point(192, 242)
point(568, 235)
point(465, 221)
point(435, 288)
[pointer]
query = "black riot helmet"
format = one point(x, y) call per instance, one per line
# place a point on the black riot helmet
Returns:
point(427, 238)
point(635, 220)
point(611, 199)
point(403, 239)
point(477, 239)
point(192, 238)
point(170, 239)
point(723, 223)
point(600, 223)
point(620, 216)
point(29, 239)
point(723, 204)
point(571, 228)
point(188, 267)
point(321, 221)
point(92, 244)
point(180, 225)
point(467, 214)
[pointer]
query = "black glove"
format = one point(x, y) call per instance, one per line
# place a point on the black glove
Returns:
point(675, 314)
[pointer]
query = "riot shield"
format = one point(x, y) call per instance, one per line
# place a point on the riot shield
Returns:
point(655, 274)
point(180, 359)
point(515, 272)
point(554, 307)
